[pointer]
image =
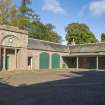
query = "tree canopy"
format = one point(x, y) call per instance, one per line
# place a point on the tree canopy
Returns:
point(103, 37)
point(5, 8)
point(80, 33)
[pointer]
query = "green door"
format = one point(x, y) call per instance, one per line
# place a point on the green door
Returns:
point(44, 60)
point(55, 61)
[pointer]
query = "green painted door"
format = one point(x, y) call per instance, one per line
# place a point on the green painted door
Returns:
point(55, 61)
point(44, 60)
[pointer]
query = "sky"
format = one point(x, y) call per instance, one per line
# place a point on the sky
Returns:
point(63, 12)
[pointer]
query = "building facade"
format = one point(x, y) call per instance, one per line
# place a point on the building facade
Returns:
point(19, 52)
point(86, 56)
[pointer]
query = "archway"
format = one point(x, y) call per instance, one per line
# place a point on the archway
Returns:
point(11, 41)
point(44, 60)
point(55, 61)
point(10, 48)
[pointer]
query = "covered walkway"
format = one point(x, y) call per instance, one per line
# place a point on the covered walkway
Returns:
point(92, 62)
point(86, 56)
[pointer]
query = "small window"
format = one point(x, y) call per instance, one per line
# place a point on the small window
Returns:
point(29, 61)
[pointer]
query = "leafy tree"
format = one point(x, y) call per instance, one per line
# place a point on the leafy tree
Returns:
point(103, 37)
point(80, 33)
point(44, 32)
point(51, 34)
point(13, 16)
point(5, 8)
point(24, 7)
point(23, 17)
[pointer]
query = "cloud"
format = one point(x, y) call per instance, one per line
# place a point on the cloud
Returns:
point(97, 7)
point(53, 6)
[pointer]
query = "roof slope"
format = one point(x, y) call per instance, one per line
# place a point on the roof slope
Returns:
point(46, 45)
point(87, 48)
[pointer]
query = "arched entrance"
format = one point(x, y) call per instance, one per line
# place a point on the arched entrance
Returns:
point(44, 60)
point(9, 50)
point(55, 61)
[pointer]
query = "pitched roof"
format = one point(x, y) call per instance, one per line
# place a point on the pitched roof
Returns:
point(87, 48)
point(46, 45)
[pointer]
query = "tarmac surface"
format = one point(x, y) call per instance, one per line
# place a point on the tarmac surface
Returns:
point(52, 88)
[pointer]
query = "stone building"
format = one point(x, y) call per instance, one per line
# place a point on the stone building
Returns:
point(86, 56)
point(19, 52)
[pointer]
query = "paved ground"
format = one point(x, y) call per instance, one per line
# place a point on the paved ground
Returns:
point(52, 88)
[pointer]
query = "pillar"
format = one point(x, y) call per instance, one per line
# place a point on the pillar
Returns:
point(97, 63)
point(15, 59)
point(4, 59)
point(77, 63)
point(50, 60)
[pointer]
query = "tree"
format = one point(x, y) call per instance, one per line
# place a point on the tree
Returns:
point(80, 33)
point(5, 8)
point(44, 32)
point(13, 16)
point(103, 37)
point(23, 16)
point(51, 34)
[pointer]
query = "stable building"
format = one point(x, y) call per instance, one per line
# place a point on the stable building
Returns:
point(19, 52)
point(86, 56)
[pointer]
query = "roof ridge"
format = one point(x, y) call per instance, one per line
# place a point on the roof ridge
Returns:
point(88, 44)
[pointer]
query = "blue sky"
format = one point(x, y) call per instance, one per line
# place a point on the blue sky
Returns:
point(63, 12)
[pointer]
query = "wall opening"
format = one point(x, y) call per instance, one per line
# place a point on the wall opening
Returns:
point(44, 60)
point(55, 61)
point(30, 62)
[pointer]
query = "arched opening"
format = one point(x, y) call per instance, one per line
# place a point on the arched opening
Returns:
point(11, 41)
point(9, 52)
point(44, 60)
point(55, 61)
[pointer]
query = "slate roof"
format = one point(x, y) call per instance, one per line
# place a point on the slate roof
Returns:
point(87, 48)
point(46, 45)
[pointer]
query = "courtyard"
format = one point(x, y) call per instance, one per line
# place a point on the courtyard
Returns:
point(52, 88)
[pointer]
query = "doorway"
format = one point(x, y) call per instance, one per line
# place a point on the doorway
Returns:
point(30, 62)
point(7, 65)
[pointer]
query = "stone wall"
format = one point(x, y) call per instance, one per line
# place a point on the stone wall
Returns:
point(16, 39)
point(36, 56)
point(6, 32)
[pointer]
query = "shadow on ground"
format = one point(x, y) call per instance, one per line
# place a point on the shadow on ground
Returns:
point(87, 89)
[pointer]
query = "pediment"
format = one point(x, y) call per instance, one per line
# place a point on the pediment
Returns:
point(11, 40)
